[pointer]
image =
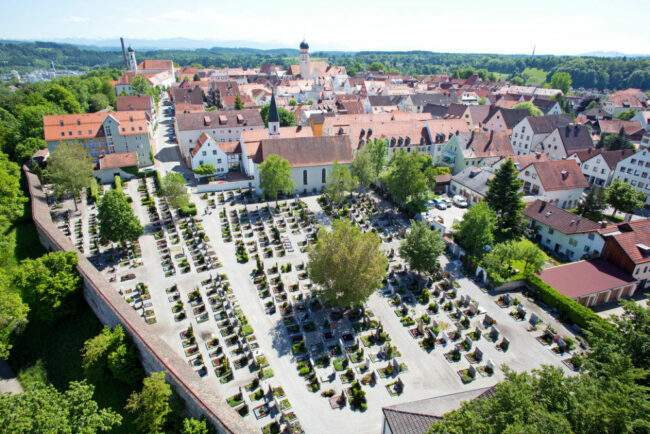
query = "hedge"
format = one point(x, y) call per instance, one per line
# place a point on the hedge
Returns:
point(567, 307)
point(159, 179)
point(94, 190)
point(118, 184)
point(189, 209)
point(131, 170)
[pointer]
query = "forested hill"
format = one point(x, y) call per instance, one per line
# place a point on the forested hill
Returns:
point(589, 72)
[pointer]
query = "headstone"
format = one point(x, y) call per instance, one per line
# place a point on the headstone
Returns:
point(562, 344)
point(521, 311)
point(445, 337)
point(478, 354)
point(494, 333)
point(471, 371)
point(534, 319)
point(490, 364)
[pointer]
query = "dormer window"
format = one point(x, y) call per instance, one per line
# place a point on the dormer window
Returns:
point(60, 123)
point(78, 122)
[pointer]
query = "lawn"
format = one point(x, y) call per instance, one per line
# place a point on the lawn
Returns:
point(534, 76)
point(519, 265)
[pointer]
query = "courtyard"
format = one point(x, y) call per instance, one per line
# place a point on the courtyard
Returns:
point(228, 289)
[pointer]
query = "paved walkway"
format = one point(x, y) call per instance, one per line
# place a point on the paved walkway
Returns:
point(8, 381)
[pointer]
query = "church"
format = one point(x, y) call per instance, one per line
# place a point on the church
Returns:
point(314, 70)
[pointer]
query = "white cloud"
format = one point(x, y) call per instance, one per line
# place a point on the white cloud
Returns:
point(78, 19)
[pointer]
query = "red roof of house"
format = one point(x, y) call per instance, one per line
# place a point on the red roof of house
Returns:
point(613, 126)
point(115, 161)
point(633, 237)
point(560, 175)
point(559, 219)
point(582, 278)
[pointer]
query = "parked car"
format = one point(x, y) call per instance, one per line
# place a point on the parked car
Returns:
point(460, 201)
point(440, 203)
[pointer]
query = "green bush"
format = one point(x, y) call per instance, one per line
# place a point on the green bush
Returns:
point(189, 209)
point(571, 309)
point(131, 170)
point(118, 183)
point(94, 190)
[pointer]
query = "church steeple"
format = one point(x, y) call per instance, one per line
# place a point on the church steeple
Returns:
point(305, 68)
point(273, 119)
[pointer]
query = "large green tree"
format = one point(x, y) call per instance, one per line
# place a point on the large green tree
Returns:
point(531, 255)
point(63, 98)
point(26, 148)
point(347, 264)
point(13, 314)
point(12, 200)
point(139, 85)
point(504, 197)
point(49, 284)
point(70, 169)
point(404, 178)
point(339, 182)
point(477, 228)
point(173, 189)
point(422, 247)
point(111, 351)
point(593, 205)
point(151, 405)
point(117, 222)
point(614, 142)
point(363, 168)
point(205, 169)
point(41, 408)
point(532, 109)
point(562, 81)
point(378, 149)
point(275, 176)
point(623, 197)
point(238, 103)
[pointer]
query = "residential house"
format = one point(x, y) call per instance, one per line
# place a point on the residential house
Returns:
point(521, 161)
point(627, 245)
point(476, 149)
point(382, 103)
point(441, 131)
point(563, 232)
point(547, 106)
point(471, 183)
point(505, 119)
point(191, 95)
point(207, 151)
point(156, 66)
point(109, 165)
point(643, 118)
point(417, 102)
point(143, 103)
point(634, 170)
point(564, 141)
point(102, 133)
point(531, 130)
point(559, 182)
point(222, 126)
point(598, 165)
point(625, 100)
point(633, 129)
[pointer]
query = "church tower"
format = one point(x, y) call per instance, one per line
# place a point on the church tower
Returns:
point(133, 66)
point(304, 60)
point(273, 119)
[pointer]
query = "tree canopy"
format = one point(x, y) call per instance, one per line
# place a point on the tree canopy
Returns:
point(275, 176)
point(562, 81)
point(593, 205)
point(205, 169)
point(623, 197)
point(151, 405)
point(504, 197)
point(50, 284)
point(404, 178)
point(532, 109)
point(42, 408)
point(614, 142)
point(173, 189)
point(339, 182)
point(477, 228)
point(112, 351)
point(287, 118)
point(117, 222)
point(347, 264)
point(13, 314)
point(70, 169)
point(422, 247)
point(12, 200)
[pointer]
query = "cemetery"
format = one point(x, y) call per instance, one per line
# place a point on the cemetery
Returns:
point(228, 286)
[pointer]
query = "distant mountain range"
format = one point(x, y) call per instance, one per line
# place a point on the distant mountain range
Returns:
point(612, 54)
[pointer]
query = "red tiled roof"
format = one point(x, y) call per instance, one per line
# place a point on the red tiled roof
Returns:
point(629, 235)
point(307, 151)
point(155, 64)
point(134, 102)
point(613, 126)
point(116, 161)
point(582, 278)
point(484, 144)
point(560, 175)
point(88, 125)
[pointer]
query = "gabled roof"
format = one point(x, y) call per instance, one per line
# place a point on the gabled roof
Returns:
point(134, 102)
point(456, 110)
point(480, 113)
point(153, 64)
point(203, 138)
point(560, 175)
point(118, 160)
point(485, 144)
point(431, 98)
point(307, 151)
point(558, 218)
point(89, 125)
point(510, 117)
point(629, 236)
point(581, 278)
point(474, 178)
point(545, 105)
point(437, 111)
point(214, 119)
point(385, 100)
point(575, 138)
point(546, 124)
point(613, 126)
point(613, 157)
point(524, 160)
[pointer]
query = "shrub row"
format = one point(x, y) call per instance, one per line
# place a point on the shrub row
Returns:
point(567, 307)
point(189, 209)
point(94, 190)
point(118, 184)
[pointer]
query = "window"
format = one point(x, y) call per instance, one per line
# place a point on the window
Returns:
point(62, 134)
point(324, 176)
point(586, 249)
point(214, 152)
point(304, 177)
point(573, 242)
point(219, 161)
point(591, 236)
point(204, 153)
point(586, 166)
point(633, 161)
point(551, 230)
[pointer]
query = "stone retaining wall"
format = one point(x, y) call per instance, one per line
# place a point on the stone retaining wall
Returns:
point(111, 309)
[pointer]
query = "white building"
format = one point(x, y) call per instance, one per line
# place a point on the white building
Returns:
point(207, 151)
point(470, 183)
point(598, 166)
point(563, 232)
point(559, 182)
point(635, 170)
point(531, 130)
point(222, 126)
point(564, 141)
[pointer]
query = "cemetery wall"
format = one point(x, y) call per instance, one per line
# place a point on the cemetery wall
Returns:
point(111, 309)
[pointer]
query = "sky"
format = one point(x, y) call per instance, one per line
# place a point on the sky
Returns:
point(467, 26)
